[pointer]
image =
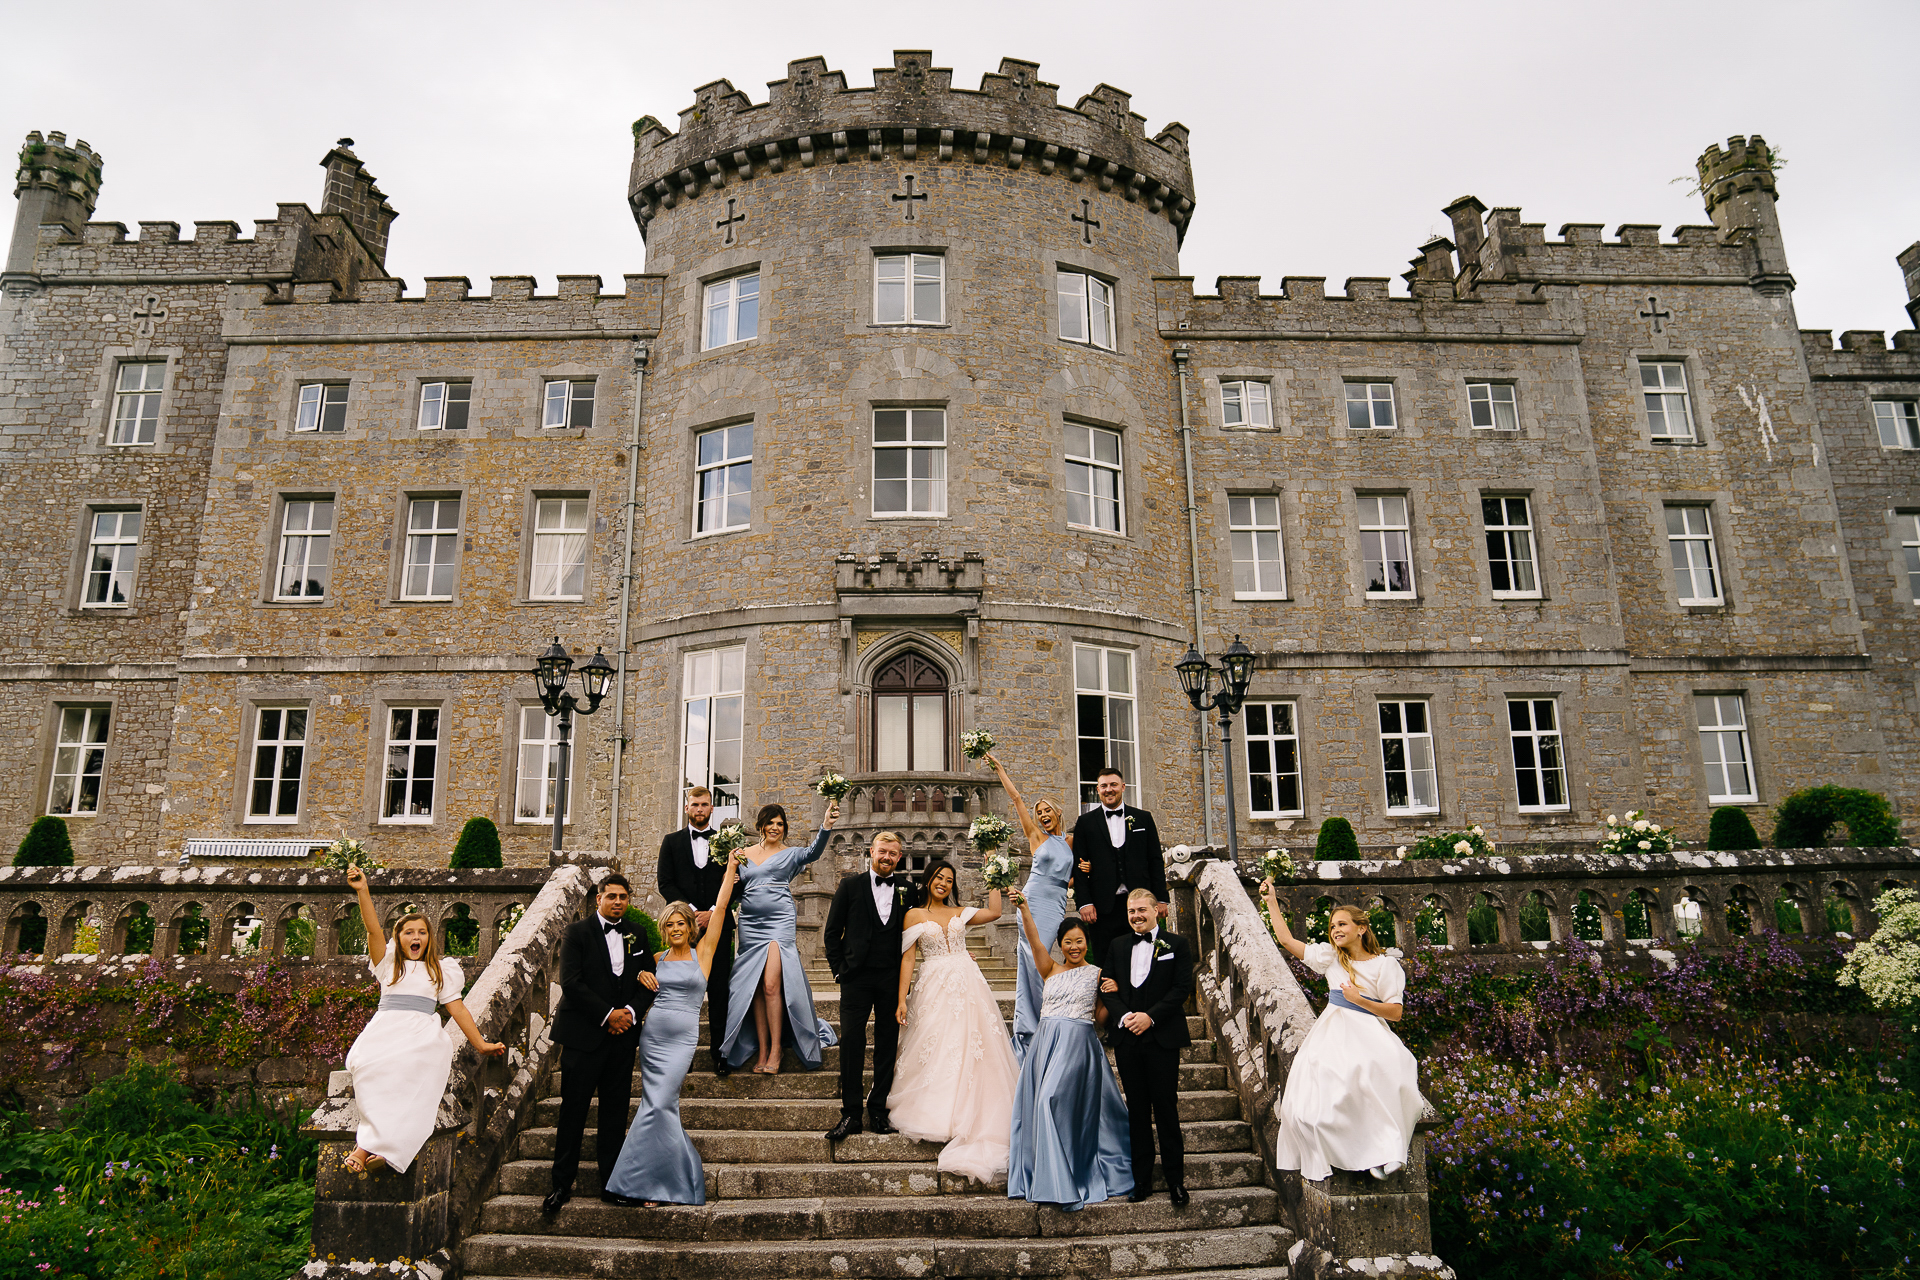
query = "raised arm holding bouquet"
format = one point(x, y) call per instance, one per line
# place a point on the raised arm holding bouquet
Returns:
point(1051, 872)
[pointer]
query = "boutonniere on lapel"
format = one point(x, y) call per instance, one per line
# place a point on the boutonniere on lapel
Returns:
point(1129, 821)
point(628, 942)
point(1160, 948)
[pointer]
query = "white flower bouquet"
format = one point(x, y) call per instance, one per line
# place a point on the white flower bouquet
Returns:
point(348, 852)
point(729, 840)
point(988, 832)
point(975, 743)
point(1000, 871)
point(1277, 865)
point(1471, 843)
point(833, 786)
point(1634, 835)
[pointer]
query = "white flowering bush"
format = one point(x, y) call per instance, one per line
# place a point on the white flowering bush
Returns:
point(1471, 843)
point(1886, 967)
point(1634, 834)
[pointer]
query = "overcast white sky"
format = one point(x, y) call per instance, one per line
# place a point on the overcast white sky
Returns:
point(1326, 137)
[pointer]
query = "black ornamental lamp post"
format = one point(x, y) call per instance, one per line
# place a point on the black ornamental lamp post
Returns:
point(553, 668)
point(1235, 672)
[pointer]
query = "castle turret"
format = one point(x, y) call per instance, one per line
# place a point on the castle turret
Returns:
point(1738, 187)
point(55, 185)
point(352, 193)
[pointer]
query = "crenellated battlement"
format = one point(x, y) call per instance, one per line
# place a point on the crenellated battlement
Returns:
point(1746, 165)
point(1366, 311)
point(1504, 247)
point(1863, 355)
point(375, 311)
point(51, 164)
point(296, 244)
point(913, 111)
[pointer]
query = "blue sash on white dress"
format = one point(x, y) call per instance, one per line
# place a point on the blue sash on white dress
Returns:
point(409, 1004)
point(1334, 996)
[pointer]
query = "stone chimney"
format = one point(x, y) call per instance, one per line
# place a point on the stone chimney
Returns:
point(352, 194)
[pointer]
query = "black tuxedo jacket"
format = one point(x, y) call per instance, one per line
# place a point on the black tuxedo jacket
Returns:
point(1162, 997)
point(589, 988)
point(1137, 864)
point(681, 881)
point(855, 937)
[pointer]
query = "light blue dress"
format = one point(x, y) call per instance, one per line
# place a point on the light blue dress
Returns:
point(657, 1161)
point(1070, 1141)
point(767, 920)
point(1046, 892)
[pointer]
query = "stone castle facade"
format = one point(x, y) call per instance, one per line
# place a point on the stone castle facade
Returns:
point(895, 439)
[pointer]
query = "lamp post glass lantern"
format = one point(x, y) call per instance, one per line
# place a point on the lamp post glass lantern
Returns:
point(1234, 674)
point(552, 670)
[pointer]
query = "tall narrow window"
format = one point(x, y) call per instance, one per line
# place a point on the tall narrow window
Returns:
point(113, 551)
point(1696, 569)
point(1370, 406)
point(1086, 309)
point(910, 288)
point(1273, 760)
point(1910, 547)
point(1246, 404)
point(723, 470)
point(279, 760)
point(413, 756)
point(559, 549)
point(306, 549)
point(136, 402)
point(323, 407)
point(1253, 522)
point(444, 405)
point(539, 774)
point(1103, 711)
point(433, 544)
point(569, 403)
point(1490, 406)
point(1898, 422)
point(1669, 407)
point(1510, 553)
point(1386, 544)
point(1724, 747)
point(1406, 755)
point(910, 716)
point(733, 311)
point(1539, 770)
point(712, 717)
point(79, 762)
point(909, 462)
point(1094, 478)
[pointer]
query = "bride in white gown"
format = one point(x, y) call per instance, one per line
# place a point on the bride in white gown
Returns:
point(956, 1075)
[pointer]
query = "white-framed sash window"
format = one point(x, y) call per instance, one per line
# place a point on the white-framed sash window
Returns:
point(733, 311)
point(1511, 558)
point(1490, 406)
point(559, 549)
point(1246, 404)
point(79, 762)
point(1104, 704)
point(413, 758)
point(1406, 758)
point(910, 288)
point(306, 549)
point(1095, 490)
point(1539, 763)
point(279, 764)
point(1696, 566)
point(113, 554)
point(538, 777)
point(723, 479)
point(1725, 748)
point(1370, 406)
point(1086, 309)
point(444, 405)
point(1386, 545)
point(1259, 567)
point(1273, 760)
point(713, 699)
point(909, 462)
point(567, 402)
point(433, 545)
point(136, 402)
point(1663, 384)
point(1909, 527)
point(323, 407)
point(1898, 422)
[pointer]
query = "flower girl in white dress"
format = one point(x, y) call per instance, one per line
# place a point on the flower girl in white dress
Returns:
point(1353, 1092)
point(401, 1059)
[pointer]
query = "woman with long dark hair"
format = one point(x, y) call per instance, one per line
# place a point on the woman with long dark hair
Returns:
point(768, 982)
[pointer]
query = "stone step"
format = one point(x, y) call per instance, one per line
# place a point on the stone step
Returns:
point(811, 1147)
point(1206, 1170)
point(934, 1252)
point(763, 1114)
point(1196, 1026)
point(826, 1084)
point(858, 1217)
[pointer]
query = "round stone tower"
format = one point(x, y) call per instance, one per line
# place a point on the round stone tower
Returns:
point(912, 464)
point(54, 184)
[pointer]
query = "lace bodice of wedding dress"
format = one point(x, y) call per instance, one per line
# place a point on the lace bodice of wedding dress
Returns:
point(1070, 993)
point(940, 944)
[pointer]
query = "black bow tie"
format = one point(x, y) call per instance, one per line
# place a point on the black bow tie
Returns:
point(703, 833)
point(1113, 813)
point(611, 926)
point(1143, 940)
point(883, 881)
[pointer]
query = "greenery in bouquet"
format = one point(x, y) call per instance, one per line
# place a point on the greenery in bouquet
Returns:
point(348, 852)
point(975, 743)
point(1471, 843)
point(1000, 871)
point(730, 838)
point(833, 786)
point(988, 832)
point(1277, 865)
point(1633, 834)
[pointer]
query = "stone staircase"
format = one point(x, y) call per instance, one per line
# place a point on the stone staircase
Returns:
point(784, 1203)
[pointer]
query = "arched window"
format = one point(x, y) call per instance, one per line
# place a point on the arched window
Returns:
point(910, 716)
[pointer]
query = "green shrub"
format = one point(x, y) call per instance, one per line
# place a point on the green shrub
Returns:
point(1807, 818)
point(1336, 842)
point(647, 927)
point(478, 845)
point(1447, 845)
point(1731, 828)
point(47, 844)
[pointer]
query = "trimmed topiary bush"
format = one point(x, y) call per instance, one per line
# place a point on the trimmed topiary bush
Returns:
point(47, 844)
point(1336, 842)
point(478, 845)
point(648, 928)
point(1806, 819)
point(1731, 828)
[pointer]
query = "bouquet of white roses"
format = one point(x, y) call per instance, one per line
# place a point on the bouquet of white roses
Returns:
point(730, 838)
point(1000, 871)
point(975, 743)
point(833, 786)
point(1633, 834)
point(1276, 865)
point(347, 852)
point(988, 832)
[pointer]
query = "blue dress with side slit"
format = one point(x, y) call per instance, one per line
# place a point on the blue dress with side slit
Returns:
point(768, 919)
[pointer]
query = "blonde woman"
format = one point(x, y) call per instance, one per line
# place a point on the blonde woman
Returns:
point(1353, 1092)
point(401, 1059)
point(1046, 895)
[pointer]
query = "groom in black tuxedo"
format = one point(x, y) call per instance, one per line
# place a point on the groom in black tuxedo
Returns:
point(863, 949)
point(1145, 980)
point(606, 985)
point(688, 873)
point(1120, 848)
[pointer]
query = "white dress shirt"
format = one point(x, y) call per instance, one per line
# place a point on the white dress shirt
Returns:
point(699, 840)
point(882, 897)
point(616, 956)
point(1142, 958)
point(1117, 832)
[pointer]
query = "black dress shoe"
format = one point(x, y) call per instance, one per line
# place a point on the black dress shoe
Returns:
point(555, 1199)
point(848, 1126)
point(721, 1067)
point(1178, 1194)
point(628, 1202)
point(1136, 1195)
point(877, 1122)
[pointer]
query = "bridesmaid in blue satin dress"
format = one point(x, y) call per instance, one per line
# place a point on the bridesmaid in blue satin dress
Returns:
point(1046, 891)
point(657, 1163)
point(1069, 1144)
point(767, 977)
